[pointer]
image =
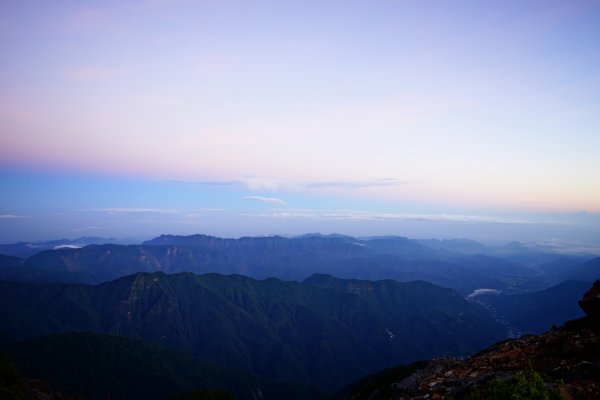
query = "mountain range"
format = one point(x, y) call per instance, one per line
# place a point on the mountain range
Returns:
point(324, 332)
point(455, 264)
point(28, 249)
point(201, 317)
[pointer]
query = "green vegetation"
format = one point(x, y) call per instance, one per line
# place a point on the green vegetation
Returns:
point(524, 385)
point(93, 366)
point(326, 331)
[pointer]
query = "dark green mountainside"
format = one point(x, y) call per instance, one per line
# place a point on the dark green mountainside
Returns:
point(93, 366)
point(325, 331)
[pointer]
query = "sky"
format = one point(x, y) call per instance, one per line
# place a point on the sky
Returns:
point(428, 119)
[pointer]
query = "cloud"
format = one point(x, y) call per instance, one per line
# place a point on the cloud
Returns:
point(255, 184)
point(357, 184)
point(116, 211)
point(275, 184)
point(266, 200)
point(378, 216)
point(67, 246)
point(560, 245)
point(10, 216)
point(207, 182)
point(187, 213)
point(249, 183)
point(479, 292)
point(268, 184)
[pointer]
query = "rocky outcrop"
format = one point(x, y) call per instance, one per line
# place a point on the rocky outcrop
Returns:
point(14, 386)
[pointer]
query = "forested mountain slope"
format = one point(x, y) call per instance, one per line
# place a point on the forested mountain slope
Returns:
point(325, 331)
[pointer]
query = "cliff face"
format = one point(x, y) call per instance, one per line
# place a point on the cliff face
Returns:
point(566, 359)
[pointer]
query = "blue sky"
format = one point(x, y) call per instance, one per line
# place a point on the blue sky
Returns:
point(428, 119)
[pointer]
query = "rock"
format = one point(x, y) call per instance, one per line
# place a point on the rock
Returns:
point(590, 303)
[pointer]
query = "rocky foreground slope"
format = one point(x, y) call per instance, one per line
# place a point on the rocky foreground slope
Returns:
point(561, 363)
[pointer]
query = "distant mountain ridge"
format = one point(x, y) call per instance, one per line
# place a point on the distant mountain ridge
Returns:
point(28, 249)
point(322, 331)
point(395, 258)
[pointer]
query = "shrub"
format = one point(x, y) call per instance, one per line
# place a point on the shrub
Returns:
point(524, 385)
